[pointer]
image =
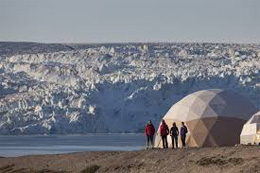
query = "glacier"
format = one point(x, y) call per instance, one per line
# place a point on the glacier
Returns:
point(113, 88)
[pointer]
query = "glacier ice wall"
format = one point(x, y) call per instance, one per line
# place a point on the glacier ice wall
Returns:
point(77, 88)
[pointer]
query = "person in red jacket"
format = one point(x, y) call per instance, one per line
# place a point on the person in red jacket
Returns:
point(149, 131)
point(164, 131)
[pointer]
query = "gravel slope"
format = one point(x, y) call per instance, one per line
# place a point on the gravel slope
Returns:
point(225, 159)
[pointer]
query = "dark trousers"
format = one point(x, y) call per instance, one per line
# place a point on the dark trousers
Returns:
point(164, 141)
point(149, 141)
point(175, 141)
point(183, 141)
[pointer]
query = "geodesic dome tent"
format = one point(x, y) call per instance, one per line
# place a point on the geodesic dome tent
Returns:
point(213, 117)
point(251, 131)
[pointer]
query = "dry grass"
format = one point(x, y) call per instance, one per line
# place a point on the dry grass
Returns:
point(91, 169)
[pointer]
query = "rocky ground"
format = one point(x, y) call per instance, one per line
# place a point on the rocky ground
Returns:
point(226, 159)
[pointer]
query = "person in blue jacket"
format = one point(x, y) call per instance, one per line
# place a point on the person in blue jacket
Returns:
point(183, 133)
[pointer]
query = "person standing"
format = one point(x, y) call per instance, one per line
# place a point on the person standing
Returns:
point(164, 131)
point(149, 131)
point(174, 132)
point(184, 131)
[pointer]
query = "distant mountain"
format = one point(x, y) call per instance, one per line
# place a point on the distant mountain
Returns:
point(84, 88)
point(14, 48)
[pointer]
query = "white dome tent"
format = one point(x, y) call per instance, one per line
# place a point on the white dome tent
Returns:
point(251, 131)
point(213, 117)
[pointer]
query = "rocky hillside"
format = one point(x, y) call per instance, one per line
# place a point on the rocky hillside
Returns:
point(84, 88)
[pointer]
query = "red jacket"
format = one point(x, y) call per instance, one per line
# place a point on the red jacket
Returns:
point(149, 130)
point(164, 130)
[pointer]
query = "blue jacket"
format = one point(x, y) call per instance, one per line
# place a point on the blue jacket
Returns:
point(184, 130)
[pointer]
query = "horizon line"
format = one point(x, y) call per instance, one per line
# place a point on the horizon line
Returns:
point(133, 42)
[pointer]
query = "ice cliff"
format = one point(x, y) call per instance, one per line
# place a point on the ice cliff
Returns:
point(84, 88)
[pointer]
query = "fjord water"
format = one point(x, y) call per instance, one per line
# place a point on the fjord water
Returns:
point(55, 144)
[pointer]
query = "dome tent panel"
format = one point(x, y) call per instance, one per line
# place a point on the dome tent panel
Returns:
point(251, 130)
point(226, 131)
point(213, 117)
point(209, 113)
point(255, 119)
point(198, 131)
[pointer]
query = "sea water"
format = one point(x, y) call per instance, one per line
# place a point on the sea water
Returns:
point(55, 144)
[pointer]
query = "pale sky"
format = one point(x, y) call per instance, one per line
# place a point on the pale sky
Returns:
point(97, 21)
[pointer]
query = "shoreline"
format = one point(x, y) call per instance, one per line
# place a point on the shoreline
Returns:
point(35, 145)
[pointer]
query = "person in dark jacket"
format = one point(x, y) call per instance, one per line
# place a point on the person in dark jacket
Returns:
point(149, 131)
point(174, 132)
point(164, 131)
point(184, 131)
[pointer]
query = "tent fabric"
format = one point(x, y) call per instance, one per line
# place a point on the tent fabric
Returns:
point(251, 131)
point(213, 117)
